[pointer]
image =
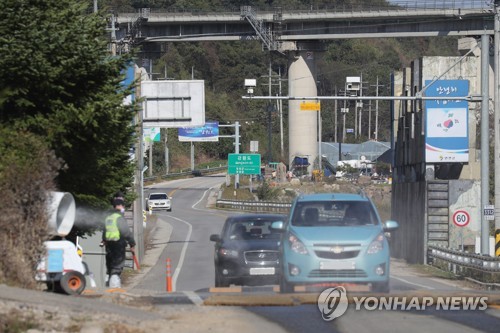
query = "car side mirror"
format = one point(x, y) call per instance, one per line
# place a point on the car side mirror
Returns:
point(278, 225)
point(215, 238)
point(390, 225)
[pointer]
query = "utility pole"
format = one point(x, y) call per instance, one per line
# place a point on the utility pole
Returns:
point(270, 108)
point(360, 102)
point(376, 109)
point(485, 149)
point(319, 141)
point(369, 119)
point(150, 171)
point(335, 121)
point(376, 113)
point(237, 150)
point(355, 119)
point(344, 111)
point(269, 119)
point(496, 85)
point(280, 108)
point(167, 161)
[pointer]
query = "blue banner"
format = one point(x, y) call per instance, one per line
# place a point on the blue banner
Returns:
point(207, 133)
point(129, 79)
point(447, 122)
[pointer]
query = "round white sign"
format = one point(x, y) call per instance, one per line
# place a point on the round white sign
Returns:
point(461, 218)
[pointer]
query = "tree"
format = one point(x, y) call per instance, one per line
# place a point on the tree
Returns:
point(61, 83)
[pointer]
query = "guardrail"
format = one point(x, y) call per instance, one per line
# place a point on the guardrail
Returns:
point(255, 206)
point(478, 262)
point(196, 173)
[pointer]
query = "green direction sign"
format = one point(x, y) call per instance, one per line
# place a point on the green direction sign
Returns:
point(243, 164)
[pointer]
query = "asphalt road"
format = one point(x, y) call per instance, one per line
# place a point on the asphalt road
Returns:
point(185, 239)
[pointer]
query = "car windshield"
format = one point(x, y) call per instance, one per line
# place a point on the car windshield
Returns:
point(159, 196)
point(334, 213)
point(252, 229)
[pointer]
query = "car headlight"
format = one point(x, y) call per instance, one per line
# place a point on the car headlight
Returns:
point(376, 245)
point(227, 252)
point(296, 245)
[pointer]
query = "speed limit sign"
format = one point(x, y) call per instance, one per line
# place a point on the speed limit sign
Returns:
point(461, 218)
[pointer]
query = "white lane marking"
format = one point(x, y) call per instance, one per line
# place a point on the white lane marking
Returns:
point(202, 197)
point(412, 283)
point(194, 297)
point(183, 252)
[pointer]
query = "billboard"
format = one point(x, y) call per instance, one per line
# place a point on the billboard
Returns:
point(447, 122)
point(207, 133)
point(173, 103)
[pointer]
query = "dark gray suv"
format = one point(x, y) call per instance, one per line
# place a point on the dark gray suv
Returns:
point(246, 251)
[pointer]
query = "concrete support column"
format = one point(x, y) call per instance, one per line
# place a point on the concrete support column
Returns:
point(303, 125)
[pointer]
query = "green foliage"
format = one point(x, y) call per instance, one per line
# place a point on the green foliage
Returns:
point(61, 84)
point(347, 168)
point(265, 192)
point(383, 168)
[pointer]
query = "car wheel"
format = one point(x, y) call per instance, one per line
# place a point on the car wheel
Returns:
point(220, 282)
point(285, 286)
point(170, 209)
point(73, 283)
point(381, 287)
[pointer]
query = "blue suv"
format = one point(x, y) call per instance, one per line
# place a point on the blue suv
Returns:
point(334, 238)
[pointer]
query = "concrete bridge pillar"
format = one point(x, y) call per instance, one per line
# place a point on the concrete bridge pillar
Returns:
point(303, 125)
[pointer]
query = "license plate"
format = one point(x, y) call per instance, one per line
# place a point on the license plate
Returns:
point(337, 265)
point(262, 271)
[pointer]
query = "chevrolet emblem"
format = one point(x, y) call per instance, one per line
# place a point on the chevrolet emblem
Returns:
point(337, 249)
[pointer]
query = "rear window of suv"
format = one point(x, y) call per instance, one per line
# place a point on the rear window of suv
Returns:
point(260, 229)
point(160, 196)
point(333, 213)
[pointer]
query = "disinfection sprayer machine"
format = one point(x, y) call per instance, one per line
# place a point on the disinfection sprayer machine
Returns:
point(62, 268)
